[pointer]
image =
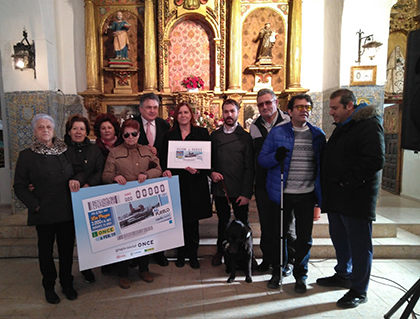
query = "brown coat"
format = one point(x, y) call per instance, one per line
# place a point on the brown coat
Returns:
point(130, 162)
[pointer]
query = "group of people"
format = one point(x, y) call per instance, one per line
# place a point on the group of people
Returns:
point(283, 158)
point(298, 170)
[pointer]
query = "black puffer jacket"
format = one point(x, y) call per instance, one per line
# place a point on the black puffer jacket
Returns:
point(87, 160)
point(352, 160)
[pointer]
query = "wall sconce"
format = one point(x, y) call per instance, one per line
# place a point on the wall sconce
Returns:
point(369, 45)
point(24, 54)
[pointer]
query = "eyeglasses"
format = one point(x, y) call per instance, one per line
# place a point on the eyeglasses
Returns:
point(133, 134)
point(301, 107)
point(266, 103)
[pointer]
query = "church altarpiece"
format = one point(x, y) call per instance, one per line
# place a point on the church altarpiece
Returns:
point(169, 40)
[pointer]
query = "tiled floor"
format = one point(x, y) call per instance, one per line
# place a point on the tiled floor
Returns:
point(204, 293)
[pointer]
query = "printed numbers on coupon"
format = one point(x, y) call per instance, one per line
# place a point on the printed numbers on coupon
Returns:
point(144, 192)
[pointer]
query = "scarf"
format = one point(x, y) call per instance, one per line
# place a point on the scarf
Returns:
point(110, 144)
point(58, 147)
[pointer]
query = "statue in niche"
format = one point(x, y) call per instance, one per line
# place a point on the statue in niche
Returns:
point(120, 30)
point(266, 39)
point(190, 4)
point(395, 72)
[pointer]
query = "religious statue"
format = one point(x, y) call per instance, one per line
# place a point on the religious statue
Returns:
point(190, 4)
point(267, 39)
point(395, 72)
point(121, 42)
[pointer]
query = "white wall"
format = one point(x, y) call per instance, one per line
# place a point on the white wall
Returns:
point(70, 46)
point(372, 17)
point(332, 40)
point(58, 41)
point(312, 44)
point(12, 25)
point(411, 175)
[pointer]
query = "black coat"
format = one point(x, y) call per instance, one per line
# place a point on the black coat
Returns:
point(233, 157)
point(351, 164)
point(161, 127)
point(87, 160)
point(194, 188)
point(50, 175)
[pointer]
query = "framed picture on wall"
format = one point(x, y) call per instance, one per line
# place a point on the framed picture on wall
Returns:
point(363, 75)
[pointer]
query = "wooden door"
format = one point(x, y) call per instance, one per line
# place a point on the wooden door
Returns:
point(391, 175)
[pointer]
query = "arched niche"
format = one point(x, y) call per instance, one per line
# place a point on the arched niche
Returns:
point(191, 52)
point(136, 48)
point(252, 24)
point(397, 45)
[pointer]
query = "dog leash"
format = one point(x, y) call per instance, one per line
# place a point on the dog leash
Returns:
point(225, 191)
point(232, 216)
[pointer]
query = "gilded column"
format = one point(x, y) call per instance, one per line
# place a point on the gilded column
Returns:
point(295, 52)
point(235, 47)
point(150, 70)
point(91, 43)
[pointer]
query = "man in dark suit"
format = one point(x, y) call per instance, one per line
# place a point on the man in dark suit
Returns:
point(149, 110)
point(152, 130)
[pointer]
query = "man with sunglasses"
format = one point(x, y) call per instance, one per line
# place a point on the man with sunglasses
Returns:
point(270, 116)
point(152, 131)
point(352, 160)
point(292, 154)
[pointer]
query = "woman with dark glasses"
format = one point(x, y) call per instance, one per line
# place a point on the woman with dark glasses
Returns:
point(128, 162)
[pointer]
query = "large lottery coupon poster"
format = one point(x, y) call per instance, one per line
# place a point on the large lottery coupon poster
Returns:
point(119, 222)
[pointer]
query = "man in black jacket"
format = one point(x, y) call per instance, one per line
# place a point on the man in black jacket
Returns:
point(352, 160)
point(152, 131)
point(232, 171)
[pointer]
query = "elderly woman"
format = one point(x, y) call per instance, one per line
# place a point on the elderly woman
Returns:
point(87, 160)
point(193, 183)
point(107, 132)
point(47, 167)
point(131, 162)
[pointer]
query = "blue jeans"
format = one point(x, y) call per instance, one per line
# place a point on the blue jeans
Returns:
point(352, 240)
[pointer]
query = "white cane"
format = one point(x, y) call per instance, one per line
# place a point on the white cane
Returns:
point(281, 226)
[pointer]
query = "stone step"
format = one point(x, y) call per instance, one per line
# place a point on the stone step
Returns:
point(404, 246)
point(14, 226)
point(382, 228)
point(390, 239)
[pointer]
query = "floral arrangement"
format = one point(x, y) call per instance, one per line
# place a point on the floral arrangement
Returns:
point(192, 82)
point(170, 118)
point(208, 121)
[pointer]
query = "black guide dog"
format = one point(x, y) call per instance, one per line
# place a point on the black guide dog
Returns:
point(238, 250)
